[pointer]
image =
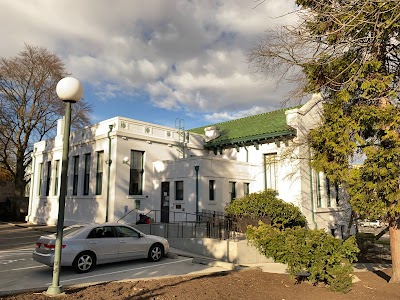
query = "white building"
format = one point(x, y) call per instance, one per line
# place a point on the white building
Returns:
point(121, 164)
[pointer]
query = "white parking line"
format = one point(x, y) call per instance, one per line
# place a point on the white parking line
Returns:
point(34, 267)
point(21, 237)
point(15, 252)
point(30, 243)
point(123, 271)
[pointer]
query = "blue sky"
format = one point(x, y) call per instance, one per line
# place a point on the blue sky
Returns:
point(155, 61)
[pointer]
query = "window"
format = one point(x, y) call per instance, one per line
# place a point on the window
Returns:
point(211, 185)
point(246, 188)
point(319, 197)
point(337, 194)
point(270, 170)
point(86, 178)
point(102, 232)
point(136, 173)
point(178, 190)
point(328, 193)
point(232, 190)
point(123, 231)
point(56, 177)
point(40, 179)
point(75, 177)
point(48, 179)
point(99, 172)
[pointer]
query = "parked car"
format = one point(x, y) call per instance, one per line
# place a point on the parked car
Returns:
point(374, 224)
point(85, 246)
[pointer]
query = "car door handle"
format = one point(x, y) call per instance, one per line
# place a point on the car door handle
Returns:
point(122, 242)
point(92, 242)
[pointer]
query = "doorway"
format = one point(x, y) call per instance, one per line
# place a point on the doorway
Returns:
point(165, 202)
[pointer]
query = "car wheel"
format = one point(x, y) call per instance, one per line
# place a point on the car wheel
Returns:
point(156, 252)
point(84, 262)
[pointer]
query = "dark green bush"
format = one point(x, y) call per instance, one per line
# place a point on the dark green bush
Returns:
point(326, 258)
point(266, 205)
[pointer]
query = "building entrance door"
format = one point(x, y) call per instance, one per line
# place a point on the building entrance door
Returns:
point(165, 202)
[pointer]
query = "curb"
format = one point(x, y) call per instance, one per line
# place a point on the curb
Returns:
point(213, 263)
point(42, 228)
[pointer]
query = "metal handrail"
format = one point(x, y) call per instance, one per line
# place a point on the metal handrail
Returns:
point(207, 224)
point(207, 214)
point(124, 216)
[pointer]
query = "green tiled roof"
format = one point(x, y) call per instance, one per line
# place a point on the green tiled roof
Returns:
point(270, 125)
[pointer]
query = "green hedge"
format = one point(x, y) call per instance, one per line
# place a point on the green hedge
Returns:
point(265, 204)
point(326, 258)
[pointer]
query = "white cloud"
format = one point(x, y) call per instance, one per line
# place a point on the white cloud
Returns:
point(224, 116)
point(185, 55)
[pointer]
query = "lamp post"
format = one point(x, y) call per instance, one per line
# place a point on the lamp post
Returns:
point(109, 162)
point(69, 90)
point(197, 192)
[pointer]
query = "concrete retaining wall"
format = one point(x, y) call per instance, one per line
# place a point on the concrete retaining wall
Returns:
point(191, 239)
point(237, 252)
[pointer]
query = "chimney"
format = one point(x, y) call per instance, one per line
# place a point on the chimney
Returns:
point(60, 126)
point(211, 132)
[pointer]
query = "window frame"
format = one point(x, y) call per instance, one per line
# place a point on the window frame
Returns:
point(75, 176)
point(99, 172)
point(271, 171)
point(246, 188)
point(319, 196)
point(48, 178)
point(56, 177)
point(328, 193)
point(337, 196)
point(232, 190)
point(86, 175)
point(211, 190)
point(40, 179)
point(135, 172)
point(179, 192)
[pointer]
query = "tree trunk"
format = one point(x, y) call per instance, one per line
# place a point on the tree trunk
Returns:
point(394, 232)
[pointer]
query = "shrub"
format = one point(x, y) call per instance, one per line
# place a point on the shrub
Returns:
point(265, 205)
point(326, 258)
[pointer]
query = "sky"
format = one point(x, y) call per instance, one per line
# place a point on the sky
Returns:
point(166, 62)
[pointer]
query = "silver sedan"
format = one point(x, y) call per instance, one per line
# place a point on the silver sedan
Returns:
point(84, 246)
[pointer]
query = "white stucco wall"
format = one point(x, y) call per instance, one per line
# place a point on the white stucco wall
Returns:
point(319, 216)
point(222, 171)
point(157, 142)
point(164, 162)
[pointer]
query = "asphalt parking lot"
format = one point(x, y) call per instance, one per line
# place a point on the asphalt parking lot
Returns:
point(18, 271)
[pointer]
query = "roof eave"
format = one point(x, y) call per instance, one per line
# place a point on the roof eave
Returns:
point(251, 139)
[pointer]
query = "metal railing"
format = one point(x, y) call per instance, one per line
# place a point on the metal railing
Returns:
point(206, 224)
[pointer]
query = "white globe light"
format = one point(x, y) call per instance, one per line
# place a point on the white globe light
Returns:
point(69, 89)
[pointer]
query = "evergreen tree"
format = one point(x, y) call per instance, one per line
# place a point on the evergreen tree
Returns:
point(349, 51)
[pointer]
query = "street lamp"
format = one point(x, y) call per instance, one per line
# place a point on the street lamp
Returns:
point(197, 192)
point(69, 90)
point(109, 161)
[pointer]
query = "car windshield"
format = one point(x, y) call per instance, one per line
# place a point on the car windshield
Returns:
point(71, 230)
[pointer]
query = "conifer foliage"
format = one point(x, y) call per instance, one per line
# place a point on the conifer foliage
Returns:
point(349, 51)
